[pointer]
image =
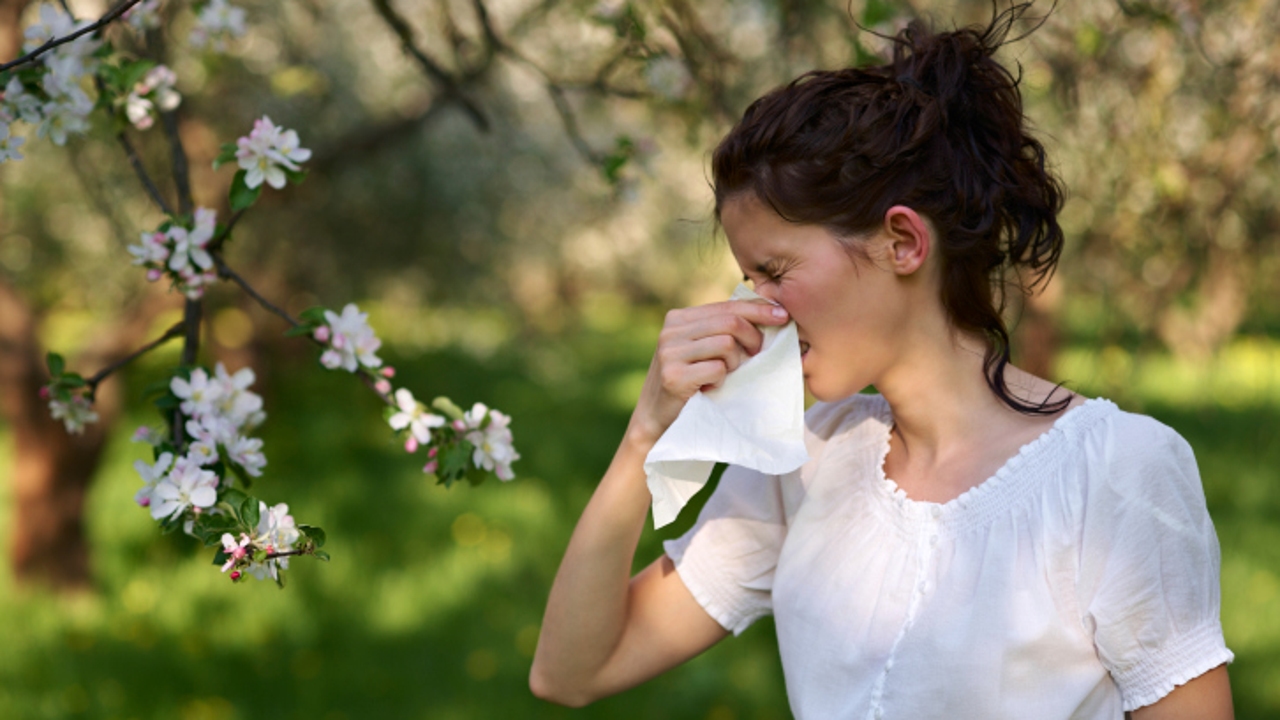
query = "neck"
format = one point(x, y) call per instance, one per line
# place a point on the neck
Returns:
point(939, 394)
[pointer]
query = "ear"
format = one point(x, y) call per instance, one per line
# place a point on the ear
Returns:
point(910, 239)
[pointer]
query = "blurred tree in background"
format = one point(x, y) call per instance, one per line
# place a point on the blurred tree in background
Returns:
point(518, 188)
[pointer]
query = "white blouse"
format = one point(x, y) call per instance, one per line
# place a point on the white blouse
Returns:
point(1080, 581)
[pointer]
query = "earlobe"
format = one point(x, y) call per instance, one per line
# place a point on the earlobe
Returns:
point(911, 239)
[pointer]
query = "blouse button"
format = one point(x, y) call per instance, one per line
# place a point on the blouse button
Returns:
point(879, 713)
point(920, 587)
point(888, 664)
point(933, 540)
point(936, 510)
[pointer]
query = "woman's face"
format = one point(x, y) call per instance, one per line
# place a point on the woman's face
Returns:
point(849, 313)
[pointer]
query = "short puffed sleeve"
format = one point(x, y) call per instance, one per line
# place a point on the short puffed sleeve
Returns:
point(727, 558)
point(1148, 581)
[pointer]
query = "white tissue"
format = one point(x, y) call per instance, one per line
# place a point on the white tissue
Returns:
point(755, 419)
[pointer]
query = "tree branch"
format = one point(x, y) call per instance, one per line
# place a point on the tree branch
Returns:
point(181, 171)
point(52, 43)
point(173, 332)
point(141, 171)
point(225, 272)
point(448, 84)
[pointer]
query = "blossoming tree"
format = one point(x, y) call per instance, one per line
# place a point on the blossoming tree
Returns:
point(204, 456)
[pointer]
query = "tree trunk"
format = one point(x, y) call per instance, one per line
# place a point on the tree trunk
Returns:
point(52, 469)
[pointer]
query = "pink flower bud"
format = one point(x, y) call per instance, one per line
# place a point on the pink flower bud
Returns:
point(235, 575)
point(430, 467)
point(339, 340)
point(432, 452)
point(388, 372)
point(321, 333)
point(383, 386)
point(44, 393)
point(154, 275)
point(144, 502)
point(459, 425)
point(239, 552)
point(197, 510)
point(411, 445)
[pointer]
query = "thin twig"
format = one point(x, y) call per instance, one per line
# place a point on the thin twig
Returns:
point(52, 43)
point(218, 240)
point(98, 377)
point(141, 171)
point(449, 84)
point(227, 273)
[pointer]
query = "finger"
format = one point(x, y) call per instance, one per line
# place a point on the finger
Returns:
point(716, 347)
point(706, 375)
point(748, 336)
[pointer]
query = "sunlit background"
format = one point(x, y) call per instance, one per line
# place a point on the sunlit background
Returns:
point(529, 265)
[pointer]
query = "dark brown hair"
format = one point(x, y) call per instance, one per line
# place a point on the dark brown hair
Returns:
point(939, 129)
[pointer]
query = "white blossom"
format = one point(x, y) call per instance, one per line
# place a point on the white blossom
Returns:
point(234, 549)
point(668, 77)
point(155, 89)
point(247, 453)
point(152, 249)
point(74, 415)
point(20, 103)
point(495, 450)
point(9, 144)
point(276, 532)
point(151, 476)
point(215, 22)
point(143, 16)
point(63, 117)
point(353, 339)
point(414, 416)
point(267, 151)
point(239, 405)
point(188, 485)
point(198, 394)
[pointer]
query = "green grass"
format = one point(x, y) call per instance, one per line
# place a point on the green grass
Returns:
point(431, 604)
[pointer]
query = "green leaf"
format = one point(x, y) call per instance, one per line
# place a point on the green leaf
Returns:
point(304, 329)
point(241, 475)
point(220, 557)
point(315, 533)
point(242, 196)
point(56, 364)
point(132, 72)
point(234, 498)
point(249, 511)
point(159, 387)
point(313, 315)
point(280, 580)
point(72, 380)
point(226, 155)
point(446, 406)
point(167, 402)
point(321, 555)
point(295, 176)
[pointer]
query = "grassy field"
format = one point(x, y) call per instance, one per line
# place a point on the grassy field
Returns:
point(430, 607)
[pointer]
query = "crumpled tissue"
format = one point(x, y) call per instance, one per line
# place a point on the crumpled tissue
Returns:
point(755, 419)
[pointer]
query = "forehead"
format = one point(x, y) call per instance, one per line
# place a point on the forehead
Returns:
point(757, 234)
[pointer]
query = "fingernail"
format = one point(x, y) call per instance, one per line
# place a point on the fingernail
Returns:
point(779, 312)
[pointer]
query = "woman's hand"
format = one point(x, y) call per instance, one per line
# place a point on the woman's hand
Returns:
point(697, 348)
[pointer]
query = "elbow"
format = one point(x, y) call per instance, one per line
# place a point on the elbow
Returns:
point(545, 688)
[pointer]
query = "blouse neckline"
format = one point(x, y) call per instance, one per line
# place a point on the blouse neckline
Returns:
point(995, 495)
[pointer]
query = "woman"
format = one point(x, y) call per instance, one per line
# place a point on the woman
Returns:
point(972, 542)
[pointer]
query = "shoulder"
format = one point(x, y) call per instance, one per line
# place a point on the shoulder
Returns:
point(1128, 443)
point(1127, 462)
point(825, 420)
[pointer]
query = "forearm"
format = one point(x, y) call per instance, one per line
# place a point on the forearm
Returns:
point(587, 608)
